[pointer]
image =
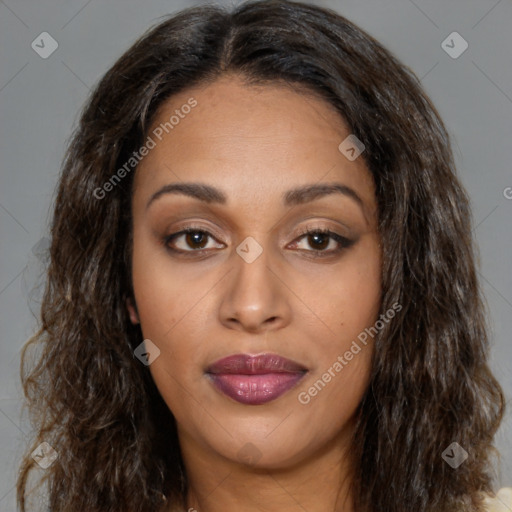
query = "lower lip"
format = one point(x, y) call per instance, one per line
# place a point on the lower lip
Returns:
point(255, 389)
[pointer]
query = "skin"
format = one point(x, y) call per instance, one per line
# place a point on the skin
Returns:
point(255, 143)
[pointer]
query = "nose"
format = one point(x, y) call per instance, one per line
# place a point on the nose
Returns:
point(255, 298)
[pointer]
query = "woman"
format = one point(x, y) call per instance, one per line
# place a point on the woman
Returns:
point(262, 291)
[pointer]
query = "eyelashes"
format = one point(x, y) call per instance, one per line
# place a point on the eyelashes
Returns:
point(325, 234)
point(196, 239)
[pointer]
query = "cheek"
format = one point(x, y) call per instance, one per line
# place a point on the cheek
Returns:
point(358, 296)
point(163, 292)
point(348, 301)
point(171, 303)
point(343, 352)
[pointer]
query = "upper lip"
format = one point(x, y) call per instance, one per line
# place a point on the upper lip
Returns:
point(245, 364)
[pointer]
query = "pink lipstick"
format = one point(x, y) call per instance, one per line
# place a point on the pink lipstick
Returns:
point(255, 380)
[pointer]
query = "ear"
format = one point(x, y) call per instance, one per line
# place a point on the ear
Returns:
point(132, 309)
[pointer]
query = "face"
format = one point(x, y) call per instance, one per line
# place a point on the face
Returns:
point(248, 280)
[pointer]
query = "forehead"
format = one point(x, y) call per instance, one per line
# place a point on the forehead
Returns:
point(251, 141)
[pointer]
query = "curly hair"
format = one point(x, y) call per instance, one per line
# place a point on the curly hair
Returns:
point(430, 384)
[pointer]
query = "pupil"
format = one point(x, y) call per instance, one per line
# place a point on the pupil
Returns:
point(196, 238)
point(321, 236)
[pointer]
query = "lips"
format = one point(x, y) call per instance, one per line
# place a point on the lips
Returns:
point(255, 380)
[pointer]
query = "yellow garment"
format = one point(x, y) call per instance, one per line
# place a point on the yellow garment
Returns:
point(502, 502)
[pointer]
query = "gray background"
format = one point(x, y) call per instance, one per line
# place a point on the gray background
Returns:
point(40, 99)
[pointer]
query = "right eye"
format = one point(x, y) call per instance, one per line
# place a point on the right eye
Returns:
point(191, 240)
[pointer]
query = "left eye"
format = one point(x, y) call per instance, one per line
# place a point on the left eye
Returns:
point(321, 240)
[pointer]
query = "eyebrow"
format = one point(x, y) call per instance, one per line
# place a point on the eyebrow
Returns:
point(295, 196)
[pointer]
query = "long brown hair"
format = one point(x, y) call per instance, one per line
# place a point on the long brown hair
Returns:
point(98, 407)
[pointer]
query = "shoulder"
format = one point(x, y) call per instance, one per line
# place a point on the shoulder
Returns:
point(502, 502)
